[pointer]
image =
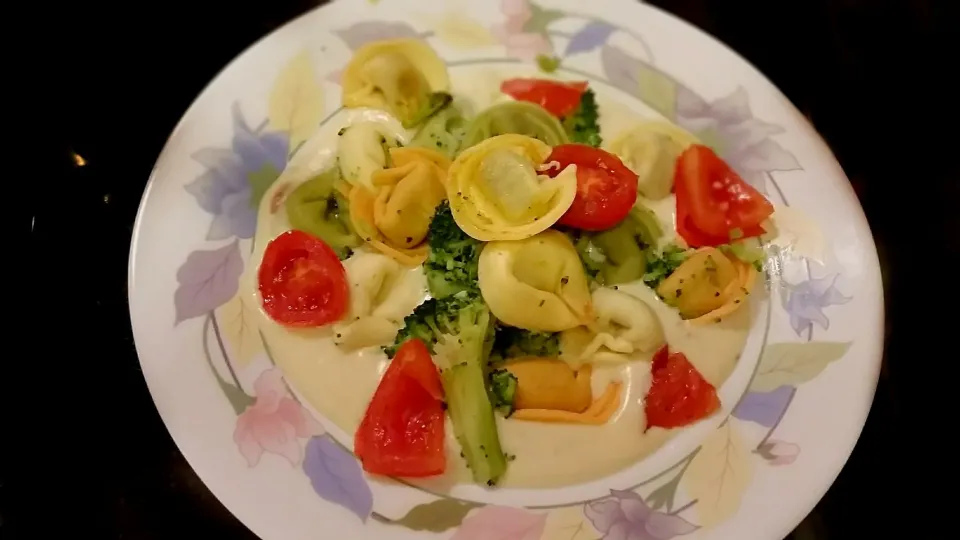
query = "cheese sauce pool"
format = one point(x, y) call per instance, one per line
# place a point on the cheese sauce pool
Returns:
point(339, 386)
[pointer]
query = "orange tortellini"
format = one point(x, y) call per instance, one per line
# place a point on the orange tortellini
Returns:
point(395, 215)
point(709, 285)
point(546, 383)
point(549, 390)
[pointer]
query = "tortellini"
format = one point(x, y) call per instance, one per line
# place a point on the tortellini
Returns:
point(496, 193)
point(402, 76)
point(625, 325)
point(651, 150)
point(518, 117)
point(549, 390)
point(709, 285)
point(536, 284)
point(395, 214)
point(547, 383)
point(617, 255)
point(364, 149)
point(442, 132)
point(317, 207)
point(382, 293)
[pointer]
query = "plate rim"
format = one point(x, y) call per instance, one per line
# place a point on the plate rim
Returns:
point(876, 342)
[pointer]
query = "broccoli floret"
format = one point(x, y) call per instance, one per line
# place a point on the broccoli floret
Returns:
point(503, 390)
point(458, 331)
point(661, 265)
point(513, 342)
point(582, 126)
point(451, 264)
point(417, 325)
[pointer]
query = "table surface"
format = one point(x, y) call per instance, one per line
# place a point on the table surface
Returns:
point(863, 72)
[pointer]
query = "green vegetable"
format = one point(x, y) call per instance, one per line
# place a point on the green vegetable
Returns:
point(518, 117)
point(618, 255)
point(582, 126)
point(591, 255)
point(442, 132)
point(547, 64)
point(451, 264)
point(316, 207)
point(513, 342)
point(750, 254)
point(503, 390)
point(433, 103)
point(458, 330)
point(661, 265)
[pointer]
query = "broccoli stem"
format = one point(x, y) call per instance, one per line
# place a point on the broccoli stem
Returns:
point(459, 331)
point(474, 423)
point(464, 380)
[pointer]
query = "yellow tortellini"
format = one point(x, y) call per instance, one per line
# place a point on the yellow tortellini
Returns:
point(625, 325)
point(362, 150)
point(497, 193)
point(709, 285)
point(382, 293)
point(402, 76)
point(395, 214)
point(537, 283)
point(651, 150)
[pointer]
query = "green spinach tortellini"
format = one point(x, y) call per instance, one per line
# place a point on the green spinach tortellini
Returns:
point(443, 132)
point(617, 255)
point(316, 207)
point(517, 117)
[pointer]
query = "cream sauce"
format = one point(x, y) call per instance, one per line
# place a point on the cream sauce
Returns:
point(339, 385)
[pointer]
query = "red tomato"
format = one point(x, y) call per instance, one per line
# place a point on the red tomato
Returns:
point(402, 432)
point(302, 282)
point(558, 98)
point(713, 201)
point(678, 395)
point(606, 188)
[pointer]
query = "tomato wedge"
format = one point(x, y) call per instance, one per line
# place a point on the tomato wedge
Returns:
point(557, 97)
point(402, 432)
point(302, 282)
point(713, 203)
point(678, 395)
point(606, 188)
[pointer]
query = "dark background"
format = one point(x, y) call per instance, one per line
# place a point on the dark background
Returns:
point(98, 463)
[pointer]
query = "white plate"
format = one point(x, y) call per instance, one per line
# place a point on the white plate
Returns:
point(801, 391)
